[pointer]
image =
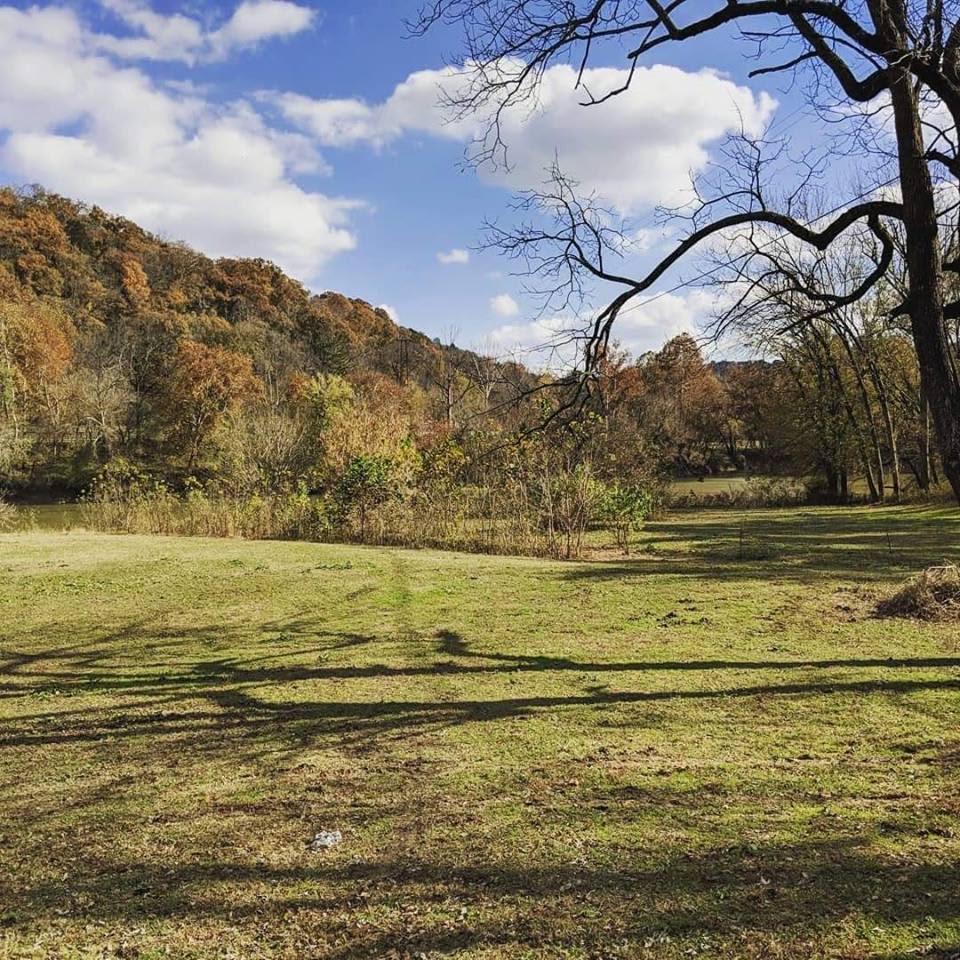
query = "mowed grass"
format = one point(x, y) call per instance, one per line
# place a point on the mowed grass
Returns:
point(686, 753)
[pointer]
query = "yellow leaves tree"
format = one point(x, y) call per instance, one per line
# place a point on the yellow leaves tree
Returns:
point(35, 241)
point(134, 282)
point(36, 354)
point(205, 384)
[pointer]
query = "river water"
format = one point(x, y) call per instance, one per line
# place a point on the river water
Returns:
point(49, 516)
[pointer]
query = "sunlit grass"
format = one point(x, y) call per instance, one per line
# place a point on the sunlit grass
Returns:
point(713, 748)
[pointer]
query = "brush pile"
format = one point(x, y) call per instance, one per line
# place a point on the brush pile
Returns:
point(934, 596)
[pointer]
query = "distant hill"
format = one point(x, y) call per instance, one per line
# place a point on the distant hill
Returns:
point(115, 343)
point(724, 369)
point(105, 271)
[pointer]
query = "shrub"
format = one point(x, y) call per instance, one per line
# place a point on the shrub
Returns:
point(122, 496)
point(9, 516)
point(567, 503)
point(404, 500)
point(119, 479)
point(366, 483)
point(299, 516)
point(624, 507)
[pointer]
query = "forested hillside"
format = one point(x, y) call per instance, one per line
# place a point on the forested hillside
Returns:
point(114, 342)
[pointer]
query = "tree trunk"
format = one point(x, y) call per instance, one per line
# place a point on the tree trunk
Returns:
point(832, 474)
point(927, 453)
point(892, 440)
point(889, 420)
point(938, 368)
point(878, 490)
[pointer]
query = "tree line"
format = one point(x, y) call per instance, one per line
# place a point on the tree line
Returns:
point(138, 372)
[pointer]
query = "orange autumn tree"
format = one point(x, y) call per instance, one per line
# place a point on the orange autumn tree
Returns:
point(684, 403)
point(36, 354)
point(205, 384)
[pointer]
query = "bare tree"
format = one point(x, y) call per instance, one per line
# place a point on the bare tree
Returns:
point(897, 55)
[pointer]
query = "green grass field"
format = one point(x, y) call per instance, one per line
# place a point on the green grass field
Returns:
point(683, 754)
point(708, 486)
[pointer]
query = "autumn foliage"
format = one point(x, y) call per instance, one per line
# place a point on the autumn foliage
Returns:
point(205, 384)
point(229, 377)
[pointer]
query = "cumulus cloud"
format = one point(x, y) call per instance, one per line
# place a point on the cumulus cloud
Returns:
point(543, 343)
point(636, 150)
point(504, 305)
point(455, 257)
point(660, 318)
point(390, 312)
point(155, 36)
point(214, 175)
point(335, 122)
point(647, 239)
point(555, 342)
point(177, 37)
point(257, 20)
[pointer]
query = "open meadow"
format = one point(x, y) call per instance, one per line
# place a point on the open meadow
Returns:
point(480, 479)
point(705, 750)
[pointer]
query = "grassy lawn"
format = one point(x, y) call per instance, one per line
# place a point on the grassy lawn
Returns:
point(708, 486)
point(687, 753)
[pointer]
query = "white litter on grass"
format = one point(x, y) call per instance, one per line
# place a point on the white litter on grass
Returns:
point(326, 839)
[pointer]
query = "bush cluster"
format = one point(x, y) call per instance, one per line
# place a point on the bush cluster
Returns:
point(537, 508)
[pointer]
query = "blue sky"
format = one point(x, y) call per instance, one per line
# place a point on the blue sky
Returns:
point(310, 133)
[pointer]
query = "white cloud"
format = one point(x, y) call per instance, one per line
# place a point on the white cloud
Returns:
point(505, 306)
point(178, 37)
point(455, 257)
point(647, 239)
point(556, 342)
point(335, 123)
point(257, 20)
point(216, 176)
point(541, 342)
point(156, 36)
point(660, 318)
point(390, 312)
point(636, 150)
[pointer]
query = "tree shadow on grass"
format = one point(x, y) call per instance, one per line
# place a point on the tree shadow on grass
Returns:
point(792, 894)
point(218, 705)
point(791, 545)
point(220, 702)
point(91, 668)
